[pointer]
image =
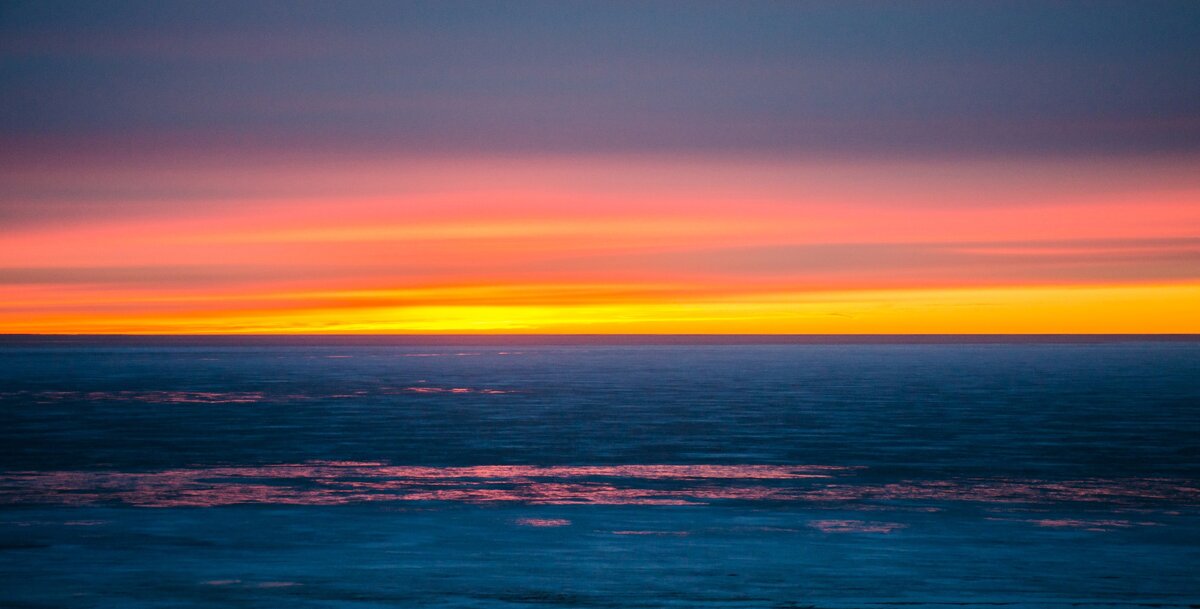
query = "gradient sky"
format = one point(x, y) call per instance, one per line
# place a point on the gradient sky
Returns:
point(726, 167)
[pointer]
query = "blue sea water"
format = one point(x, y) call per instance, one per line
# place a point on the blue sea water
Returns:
point(590, 475)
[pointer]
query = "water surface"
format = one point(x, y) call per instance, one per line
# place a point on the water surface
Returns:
point(589, 475)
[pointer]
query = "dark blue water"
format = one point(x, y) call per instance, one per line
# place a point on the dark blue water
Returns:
point(1026, 475)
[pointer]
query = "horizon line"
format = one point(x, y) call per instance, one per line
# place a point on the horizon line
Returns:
point(515, 339)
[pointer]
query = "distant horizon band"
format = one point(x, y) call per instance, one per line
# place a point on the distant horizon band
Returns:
point(384, 340)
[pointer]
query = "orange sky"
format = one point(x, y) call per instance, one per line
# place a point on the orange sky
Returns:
point(603, 244)
point(597, 167)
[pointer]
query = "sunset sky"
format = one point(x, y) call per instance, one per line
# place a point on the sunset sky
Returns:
point(592, 167)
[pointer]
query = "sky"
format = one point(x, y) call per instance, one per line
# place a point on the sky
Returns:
point(599, 167)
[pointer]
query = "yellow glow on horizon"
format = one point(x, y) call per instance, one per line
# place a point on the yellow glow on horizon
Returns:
point(613, 245)
point(1006, 310)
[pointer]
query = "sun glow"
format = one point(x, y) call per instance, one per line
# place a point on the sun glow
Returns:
point(622, 246)
point(1083, 309)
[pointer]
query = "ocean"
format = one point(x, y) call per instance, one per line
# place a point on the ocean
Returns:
point(390, 473)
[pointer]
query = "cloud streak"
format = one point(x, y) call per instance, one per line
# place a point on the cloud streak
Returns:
point(568, 77)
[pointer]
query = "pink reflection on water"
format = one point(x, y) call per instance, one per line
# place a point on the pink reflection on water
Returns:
point(1095, 525)
point(855, 526)
point(150, 397)
point(1090, 525)
point(654, 533)
point(543, 522)
point(427, 389)
point(341, 482)
point(327, 483)
point(1092, 490)
point(459, 354)
point(650, 472)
